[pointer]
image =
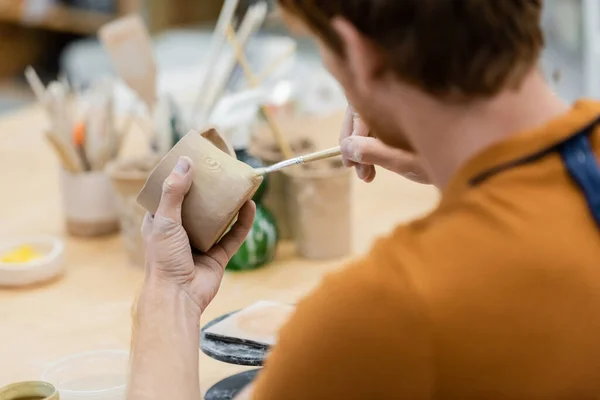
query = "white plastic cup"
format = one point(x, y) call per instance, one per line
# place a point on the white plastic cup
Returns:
point(94, 375)
point(89, 204)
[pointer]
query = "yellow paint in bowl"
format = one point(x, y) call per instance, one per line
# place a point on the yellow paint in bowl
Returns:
point(20, 255)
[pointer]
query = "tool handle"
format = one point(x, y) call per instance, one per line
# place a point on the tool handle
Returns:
point(319, 155)
point(322, 155)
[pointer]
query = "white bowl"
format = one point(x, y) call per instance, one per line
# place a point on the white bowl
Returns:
point(42, 269)
point(97, 375)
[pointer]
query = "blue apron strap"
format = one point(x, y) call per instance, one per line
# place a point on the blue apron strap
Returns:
point(580, 161)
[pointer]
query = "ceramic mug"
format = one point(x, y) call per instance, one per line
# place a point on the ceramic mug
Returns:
point(29, 391)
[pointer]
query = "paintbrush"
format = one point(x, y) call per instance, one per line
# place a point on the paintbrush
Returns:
point(316, 156)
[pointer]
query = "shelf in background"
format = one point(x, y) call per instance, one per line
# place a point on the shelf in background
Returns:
point(55, 17)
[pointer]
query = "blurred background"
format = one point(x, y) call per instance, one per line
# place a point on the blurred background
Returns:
point(59, 35)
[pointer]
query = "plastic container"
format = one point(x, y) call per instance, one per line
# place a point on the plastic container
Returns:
point(95, 375)
point(49, 265)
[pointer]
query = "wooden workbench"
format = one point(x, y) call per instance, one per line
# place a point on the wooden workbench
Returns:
point(89, 308)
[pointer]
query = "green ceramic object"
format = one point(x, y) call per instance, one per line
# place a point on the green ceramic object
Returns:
point(29, 391)
point(254, 162)
point(259, 247)
point(261, 243)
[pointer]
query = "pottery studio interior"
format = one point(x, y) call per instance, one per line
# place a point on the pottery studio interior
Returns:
point(149, 147)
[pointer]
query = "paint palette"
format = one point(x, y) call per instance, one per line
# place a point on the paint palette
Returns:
point(256, 325)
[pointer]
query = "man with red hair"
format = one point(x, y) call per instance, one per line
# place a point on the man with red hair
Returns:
point(494, 295)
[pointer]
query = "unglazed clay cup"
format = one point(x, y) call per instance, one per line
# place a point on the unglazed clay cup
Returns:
point(319, 198)
point(29, 391)
point(221, 185)
point(89, 204)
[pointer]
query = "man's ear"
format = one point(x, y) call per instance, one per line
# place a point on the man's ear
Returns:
point(363, 57)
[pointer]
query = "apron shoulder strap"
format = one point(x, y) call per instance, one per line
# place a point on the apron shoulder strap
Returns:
point(580, 161)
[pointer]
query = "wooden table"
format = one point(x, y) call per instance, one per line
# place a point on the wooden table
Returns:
point(89, 308)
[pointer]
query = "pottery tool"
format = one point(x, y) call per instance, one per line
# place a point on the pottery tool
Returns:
point(129, 46)
point(251, 23)
point(67, 154)
point(126, 125)
point(319, 155)
point(216, 46)
point(253, 81)
point(58, 104)
point(257, 324)
point(163, 135)
point(38, 88)
point(79, 141)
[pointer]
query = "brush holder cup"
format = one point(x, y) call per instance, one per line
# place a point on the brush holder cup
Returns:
point(128, 177)
point(274, 198)
point(220, 187)
point(319, 200)
point(89, 204)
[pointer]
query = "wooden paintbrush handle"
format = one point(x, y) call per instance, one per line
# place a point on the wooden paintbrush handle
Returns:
point(319, 155)
point(323, 154)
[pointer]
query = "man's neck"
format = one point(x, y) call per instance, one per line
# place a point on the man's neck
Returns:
point(446, 137)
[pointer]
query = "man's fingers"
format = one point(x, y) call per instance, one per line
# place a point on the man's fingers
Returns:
point(232, 241)
point(365, 172)
point(175, 188)
point(360, 128)
point(371, 151)
point(346, 132)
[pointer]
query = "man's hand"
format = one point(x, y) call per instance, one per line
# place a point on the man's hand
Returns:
point(363, 152)
point(180, 283)
point(169, 256)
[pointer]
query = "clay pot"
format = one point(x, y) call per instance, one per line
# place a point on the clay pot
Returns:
point(128, 178)
point(29, 390)
point(221, 185)
point(89, 204)
point(274, 198)
point(319, 201)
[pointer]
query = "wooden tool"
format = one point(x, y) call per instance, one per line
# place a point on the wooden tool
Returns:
point(129, 46)
point(68, 156)
point(36, 85)
point(251, 23)
point(316, 156)
point(216, 46)
point(284, 145)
